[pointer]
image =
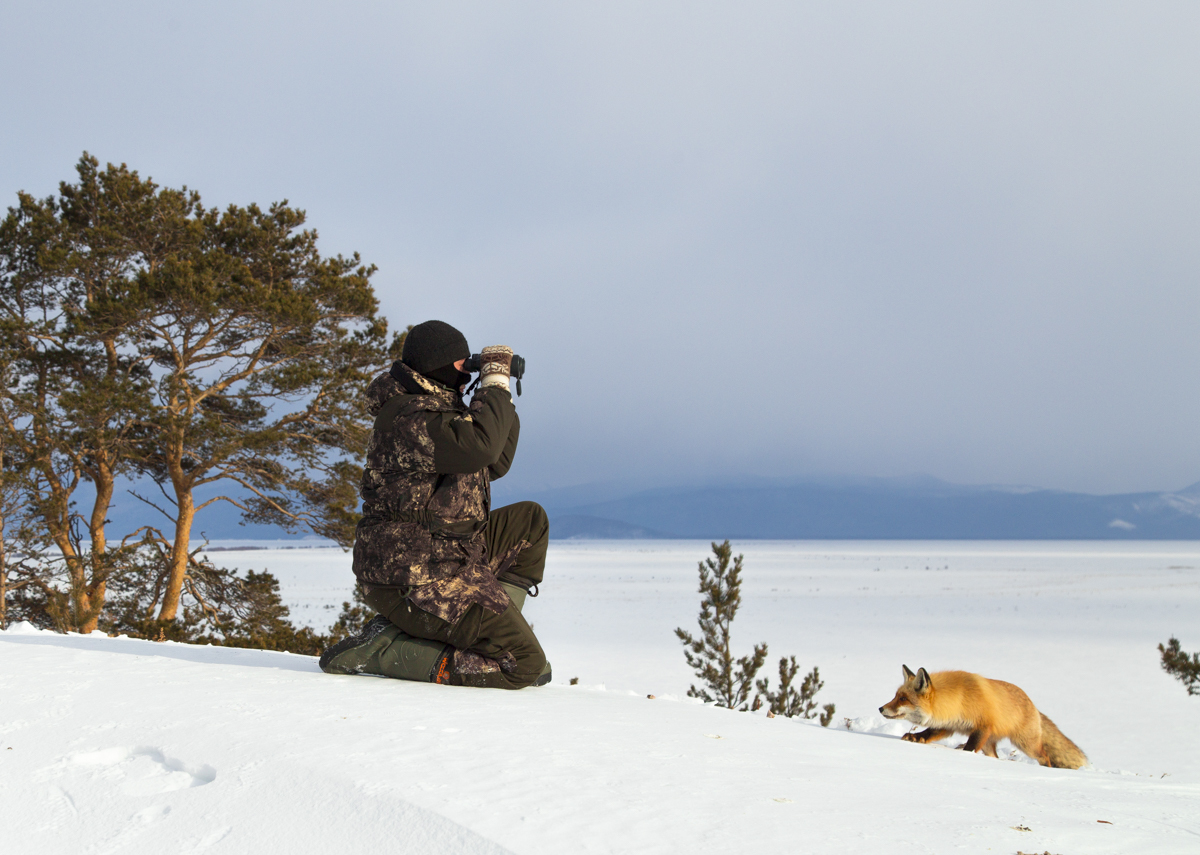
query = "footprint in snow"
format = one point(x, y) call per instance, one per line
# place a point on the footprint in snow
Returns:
point(142, 771)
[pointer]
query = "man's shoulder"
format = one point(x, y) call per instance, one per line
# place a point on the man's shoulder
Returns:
point(388, 390)
point(381, 390)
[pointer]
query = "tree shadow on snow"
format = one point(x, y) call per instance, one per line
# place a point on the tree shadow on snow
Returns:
point(207, 654)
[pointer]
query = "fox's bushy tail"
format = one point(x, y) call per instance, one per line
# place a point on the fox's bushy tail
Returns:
point(1060, 751)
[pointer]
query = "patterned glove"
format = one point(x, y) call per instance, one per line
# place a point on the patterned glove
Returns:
point(495, 363)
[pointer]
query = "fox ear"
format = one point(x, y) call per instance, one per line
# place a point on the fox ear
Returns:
point(908, 675)
point(923, 680)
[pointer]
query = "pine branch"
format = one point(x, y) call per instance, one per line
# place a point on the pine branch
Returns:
point(1181, 666)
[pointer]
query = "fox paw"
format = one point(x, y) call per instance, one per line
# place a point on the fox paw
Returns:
point(912, 737)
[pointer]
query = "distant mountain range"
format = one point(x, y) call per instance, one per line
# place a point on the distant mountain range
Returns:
point(919, 509)
point(866, 509)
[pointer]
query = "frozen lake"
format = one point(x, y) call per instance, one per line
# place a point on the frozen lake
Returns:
point(1059, 619)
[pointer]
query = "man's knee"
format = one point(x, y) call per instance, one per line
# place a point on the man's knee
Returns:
point(534, 662)
point(529, 669)
point(529, 666)
point(537, 522)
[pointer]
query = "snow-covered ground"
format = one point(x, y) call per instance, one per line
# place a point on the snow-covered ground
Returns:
point(118, 745)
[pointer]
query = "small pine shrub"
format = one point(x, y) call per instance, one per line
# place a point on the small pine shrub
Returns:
point(1181, 666)
point(790, 702)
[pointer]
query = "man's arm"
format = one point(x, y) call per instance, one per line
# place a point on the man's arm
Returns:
point(465, 443)
point(500, 468)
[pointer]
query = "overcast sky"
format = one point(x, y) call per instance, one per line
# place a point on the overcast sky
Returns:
point(732, 240)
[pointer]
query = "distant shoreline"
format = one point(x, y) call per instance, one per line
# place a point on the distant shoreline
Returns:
point(263, 545)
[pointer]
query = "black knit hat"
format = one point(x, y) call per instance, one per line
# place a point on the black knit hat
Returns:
point(432, 345)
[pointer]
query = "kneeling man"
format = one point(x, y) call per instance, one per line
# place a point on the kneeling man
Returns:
point(447, 574)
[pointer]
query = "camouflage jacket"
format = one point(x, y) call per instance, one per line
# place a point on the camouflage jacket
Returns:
point(426, 492)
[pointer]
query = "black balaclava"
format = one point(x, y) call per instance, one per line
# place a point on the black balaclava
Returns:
point(450, 376)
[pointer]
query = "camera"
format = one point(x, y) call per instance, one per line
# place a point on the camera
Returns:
point(516, 369)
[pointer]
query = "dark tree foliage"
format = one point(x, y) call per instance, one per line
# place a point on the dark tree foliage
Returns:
point(218, 607)
point(1181, 666)
point(214, 597)
point(21, 574)
point(726, 681)
point(262, 621)
point(353, 617)
point(787, 701)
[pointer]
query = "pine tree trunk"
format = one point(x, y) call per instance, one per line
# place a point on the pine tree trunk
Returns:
point(4, 494)
point(97, 588)
point(3, 574)
point(76, 574)
point(178, 561)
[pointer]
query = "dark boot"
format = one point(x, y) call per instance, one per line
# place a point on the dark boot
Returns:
point(383, 650)
point(355, 655)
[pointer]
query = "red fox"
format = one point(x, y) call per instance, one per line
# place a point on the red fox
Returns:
point(989, 710)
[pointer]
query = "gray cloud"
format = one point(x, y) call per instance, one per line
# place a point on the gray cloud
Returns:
point(766, 239)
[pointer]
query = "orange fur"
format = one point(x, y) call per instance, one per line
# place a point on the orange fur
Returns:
point(950, 702)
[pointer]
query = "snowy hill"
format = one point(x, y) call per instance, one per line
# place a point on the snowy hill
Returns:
point(113, 745)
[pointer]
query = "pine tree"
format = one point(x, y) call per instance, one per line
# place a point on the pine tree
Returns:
point(73, 400)
point(710, 655)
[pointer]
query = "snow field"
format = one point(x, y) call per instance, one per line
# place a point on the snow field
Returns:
point(119, 745)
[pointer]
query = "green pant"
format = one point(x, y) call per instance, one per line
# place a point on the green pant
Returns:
point(480, 630)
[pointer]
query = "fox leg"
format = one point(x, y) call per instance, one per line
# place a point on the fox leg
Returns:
point(981, 740)
point(1036, 750)
point(930, 735)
